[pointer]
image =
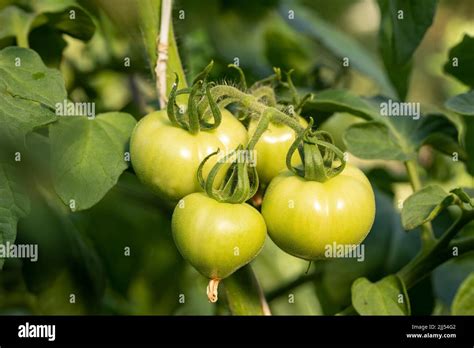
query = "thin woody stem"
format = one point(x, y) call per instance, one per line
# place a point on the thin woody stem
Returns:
point(162, 50)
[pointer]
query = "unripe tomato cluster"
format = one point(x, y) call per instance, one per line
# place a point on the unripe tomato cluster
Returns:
point(217, 237)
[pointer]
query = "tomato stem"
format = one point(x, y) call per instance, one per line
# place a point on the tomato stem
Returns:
point(252, 103)
point(317, 149)
point(321, 159)
point(427, 235)
point(244, 293)
point(413, 175)
point(243, 81)
point(266, 93)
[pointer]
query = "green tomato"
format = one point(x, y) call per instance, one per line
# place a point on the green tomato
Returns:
point(304, 217)
point(272, 148)
point(217, 238)
point(166, 158)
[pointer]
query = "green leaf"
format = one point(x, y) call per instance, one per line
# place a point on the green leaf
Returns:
point(88, 156)
point(462, 103)
point(463, 303)
point(15, 23)
point(389, 138)
point(409, 20)
point(49, 44)
point(424, 206)
point(448, 137)
point(385, 297)
point(23, 75)
point(463, 106)
point(461, 61)
point(28, 93)
point(444, 132)
point(149, 12)
point(14, 203)
point(399, 74)
point(340, 44)
point(341, 100)
point(244, 294)
point(458, 122)
point(403, 26)
point(402, 135)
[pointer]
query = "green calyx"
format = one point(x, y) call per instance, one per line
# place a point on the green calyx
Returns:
point(195, 119)
point(321, 159)
point(241, 179)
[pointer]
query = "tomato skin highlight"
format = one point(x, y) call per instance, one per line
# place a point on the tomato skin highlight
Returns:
point(303, 217)
point(166, 158)
point(272, 148)
point(217, 238)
